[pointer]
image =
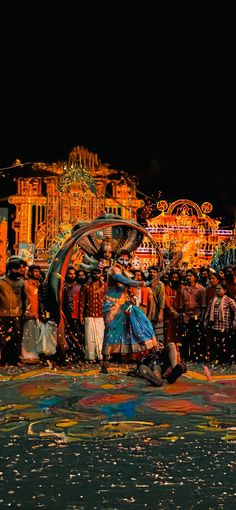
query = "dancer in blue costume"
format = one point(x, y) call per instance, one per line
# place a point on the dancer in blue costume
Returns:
point(127, 329)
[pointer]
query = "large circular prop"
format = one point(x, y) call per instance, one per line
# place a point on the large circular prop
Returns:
point(85, 236)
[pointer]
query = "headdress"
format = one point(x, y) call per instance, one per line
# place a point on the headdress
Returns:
point(112, 233)
point(90, 236)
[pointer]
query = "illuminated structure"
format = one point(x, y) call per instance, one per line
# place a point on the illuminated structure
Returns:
point(185, 227)
point(59, 195)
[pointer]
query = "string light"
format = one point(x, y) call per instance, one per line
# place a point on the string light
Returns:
point(15, 165)
point(75, 172)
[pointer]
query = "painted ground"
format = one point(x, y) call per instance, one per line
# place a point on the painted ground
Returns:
point(79, 440)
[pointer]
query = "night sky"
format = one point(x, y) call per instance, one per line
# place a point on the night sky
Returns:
point(145, 109)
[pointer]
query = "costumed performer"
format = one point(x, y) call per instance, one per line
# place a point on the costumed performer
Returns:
point(127, 328)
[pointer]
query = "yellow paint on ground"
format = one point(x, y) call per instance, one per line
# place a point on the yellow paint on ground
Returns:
point(14, 406)
point(229, 437)
point(96, 371)
point(65, 423)
point(171, 439)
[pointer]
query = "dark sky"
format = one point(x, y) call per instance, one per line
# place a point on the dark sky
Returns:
point(163, 113)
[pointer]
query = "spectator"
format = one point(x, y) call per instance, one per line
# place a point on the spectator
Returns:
point(91, 314)
point(157, 315)
point(33, 317)
point(220, 318)
point(71, 309)
point(12, 308)
point(192, 307)
point(172, 307)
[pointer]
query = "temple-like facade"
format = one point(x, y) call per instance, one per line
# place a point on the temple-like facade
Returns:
point(52, 198)
point(60, 195)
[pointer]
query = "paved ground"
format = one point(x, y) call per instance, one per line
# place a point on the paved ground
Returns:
point(71, 437)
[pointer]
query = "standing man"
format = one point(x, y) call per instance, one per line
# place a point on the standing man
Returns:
point(33, 317)
point(158, 289)
point(192, 306)
point(12, 308)
point(91, 314)
point(220, 318)
point(71, 309)
point(171, 311)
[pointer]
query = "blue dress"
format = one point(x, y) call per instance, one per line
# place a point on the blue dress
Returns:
point(127, 328)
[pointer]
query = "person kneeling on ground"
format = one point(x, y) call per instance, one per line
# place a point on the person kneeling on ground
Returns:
point(165, 364)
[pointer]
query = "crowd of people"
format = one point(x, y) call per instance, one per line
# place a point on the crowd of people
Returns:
point(113, 311)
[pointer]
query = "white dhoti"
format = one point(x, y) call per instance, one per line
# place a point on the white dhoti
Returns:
point(30, 338)
point(94, 332)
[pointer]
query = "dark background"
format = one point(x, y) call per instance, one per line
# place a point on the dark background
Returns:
point(149, 98)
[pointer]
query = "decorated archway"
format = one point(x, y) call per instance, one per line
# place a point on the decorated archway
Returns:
point(184, 226)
